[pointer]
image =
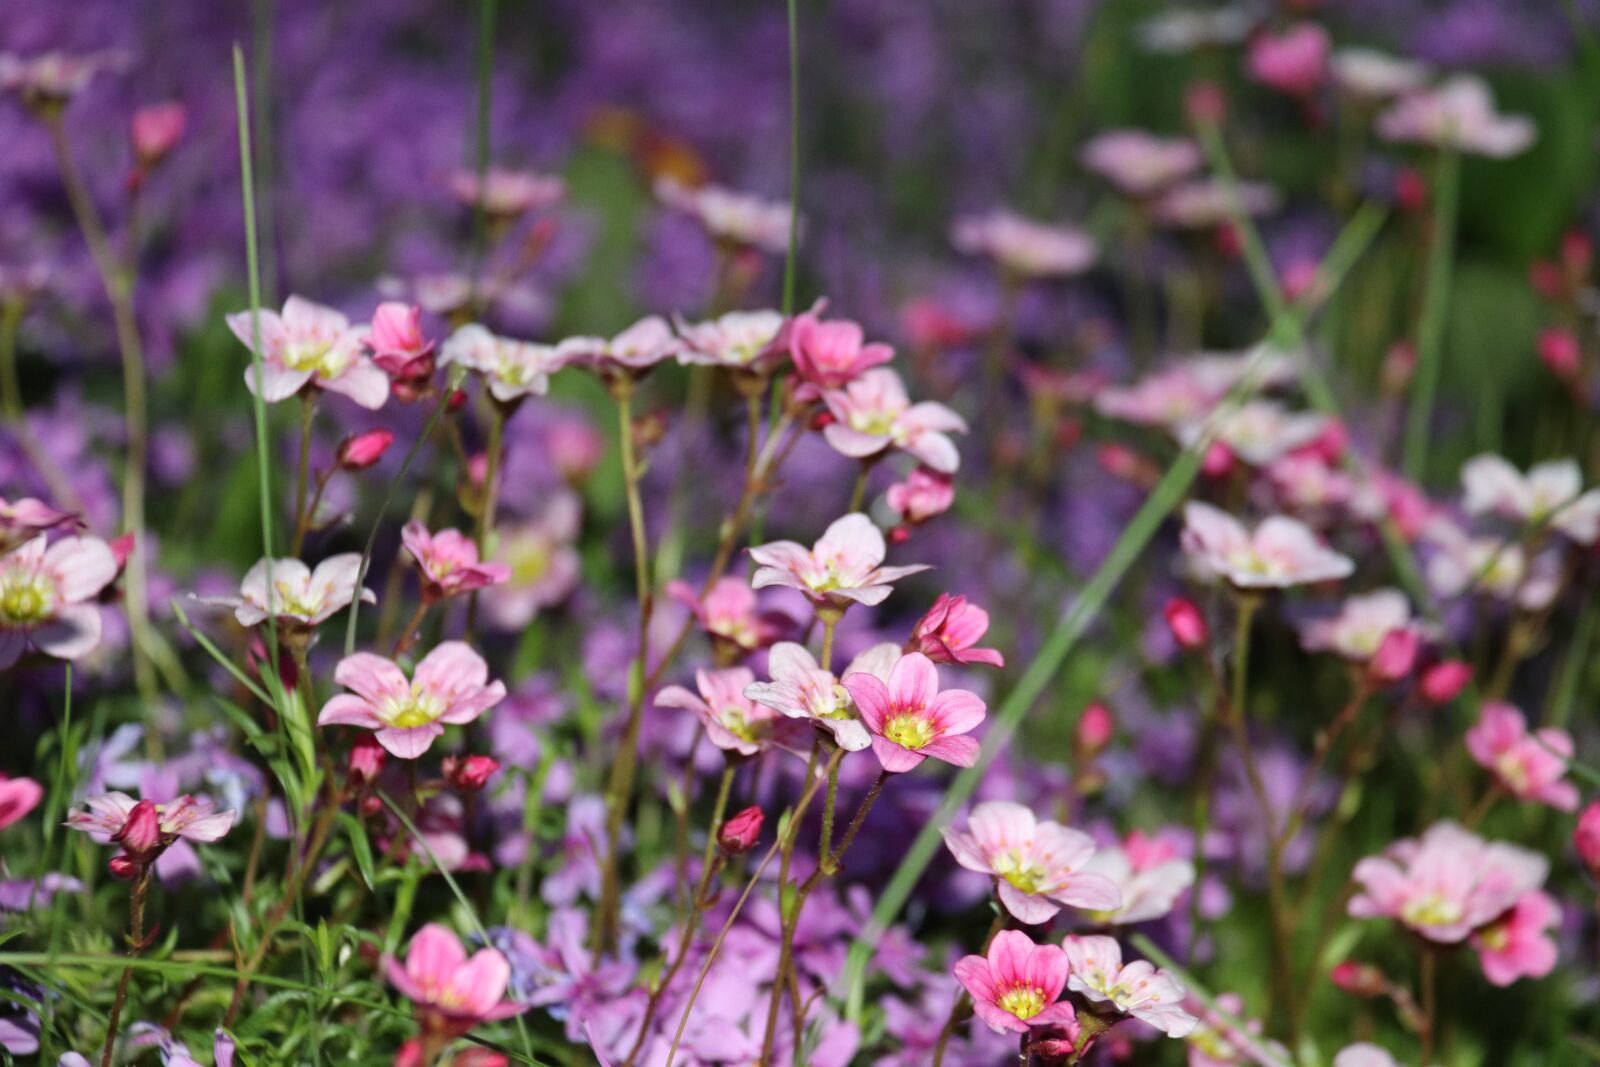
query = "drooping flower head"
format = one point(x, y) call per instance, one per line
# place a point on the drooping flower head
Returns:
point(397, 343)
point(46, 597)
point(1528, 765)
point(448, 562)
point(733, 722)
point(511, 369)
point(1446, 883)
point(1023, 247)
point(1018, 986)
point(1139, 989)
point(451, 992)
point(910, 719)
point(297, 595)
point(1518, 944)
point(801, 689)
point(1278, 553)
point(1138, 163)
point(873, 414)
point(1038, 865)
point(1550, 492)
point(451, 685)
point(730, 612)
point(950, 631)
point(1459, 112)
point(309, 344)
point(145, 829)
point(27, 517)
point(844, 566)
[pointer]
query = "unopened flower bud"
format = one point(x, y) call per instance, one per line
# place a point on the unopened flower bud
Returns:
point(458, 400)
point(1188, 625)
point(367, 758)
point(1359, 979)
point(364, 449)
point(124, 866)
point(739, 834)
point(468, 774)
point(1218, 461)
point(1444, 681)
point(1410, 190)
point(1577, 253)
point(156, 130)
point(1560, 352)
point(1586, 838)
point(1396, 655)
point(140, 834)
point(1399, 363)
point(1095, 728)
point(1205, 103)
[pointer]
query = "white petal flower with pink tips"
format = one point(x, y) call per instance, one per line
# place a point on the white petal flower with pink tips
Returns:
point(47, 596)
point(873, 413)
point(801, 689)
point(190, 818)
point(1149, 875)
point(1138, 989)
point(1460, 113)
point(1550, 492)
point(844, 566)
point(1361, 625)
point(309, 343)
point(512, 369)
point(1278, 553)
point(450, 685)
point(296, 594)
point(1039, 865)
point(1024, 247)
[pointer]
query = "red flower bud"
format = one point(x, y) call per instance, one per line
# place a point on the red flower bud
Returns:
point(125, 867)
point(1443, 681)
point(739, 834)
point(364, 449)
point(367, 758)
point(1205, 102)
point(1576, 253)
point(141, 830)
point(1188, 625)
point(1361, 979)
point(1586, 838)
point(458, 400)
point(1395, 657)
point(468, 774)
point(1218, 461)
point(1410, 190)
point(156, 130)
point(1561, 353)
point(1095, 727)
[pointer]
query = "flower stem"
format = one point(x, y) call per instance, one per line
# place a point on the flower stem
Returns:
point(136, 899)
point(302, 518)
point(1435, 308)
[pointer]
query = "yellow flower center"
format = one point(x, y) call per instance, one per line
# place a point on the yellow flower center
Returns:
point(910, 730)
point(1019, 871)
point(312, 354)
point(1023, 1001)
point(529, 561)
point(25, 597)
point(1433, 910)
point(418, 709)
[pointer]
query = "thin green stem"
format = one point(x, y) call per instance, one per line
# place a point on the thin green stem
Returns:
point(794, 159)
point(1435, 312)
point(302, 518)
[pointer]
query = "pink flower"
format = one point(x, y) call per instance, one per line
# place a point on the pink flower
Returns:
point(1259, 432)
point(1518, 944)
point(843, 566)
point(1550, 492)
point(1294, 61)
point(50, 79)
point(1446, 883)
point(298, 595)
point(873, 413)
point(1280, 552)
point(1561, 352)
point(1018, 987)
point(739, 834)
point(924, 494)
point(18, 796)
point(1528, 766)
point(745, 341)
point(450, 685)
point(1138, 163)
point(950, 629)
point(309, 343)
point(188, 818)
point(630, 353)
point(737, 218)
point(728, 613)
point(448, 561)
point(1368, 74)
point(829, 355)
point(156, 130)
point(1023, 247)
point(910, 719)
point(1138, 989)
point(511, 369)
point(22, 519)
point(46, 597)
point(801, 689)
point(1205, 202)
point(506, 194)
point(733, 722)
point(397, 342)
point(364, 449)
point(545, 566)
point(1149, 876)
point(1586, 838)
point(1364, 1054)
point(452, 993)
point(1395, 657)
point(1038, 865)
point(1458, 112)
point(1357, 632)
point(1186, 622)
point(1444, 681)
point(1221, 1042)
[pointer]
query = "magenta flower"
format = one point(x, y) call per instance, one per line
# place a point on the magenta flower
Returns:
point(1023, 247)
point(631, 352)
point(801, 689)
point(1550, 492)
point(1445, 884)
point(734, 217)
point(1138, 989)
point(910, 719)
point(950, 630)
point(744, 341)
point(47, 594)
point(397, 342)
point(450, 685)
point(1138, 163)
point(309, 343)
point(1018, 987)
point(448, 561)
point(298, 596)
point(1358, 631)
point(1518, 944)
point(844, 565)
point(1529, 766)
point(733, 722)
point(924, 494)
point(156, 130)
point(729, 613)
point(1294, 61)
point(873, 413)
point(511, 369)
point(828, 355)
point(18, 796)
point(1459, 112)
point(506, 194)
point(1038, 864)
point(452, 993)
point(1149, 875)
point(1279, 553)
point(27, 517)
point(117, 817)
